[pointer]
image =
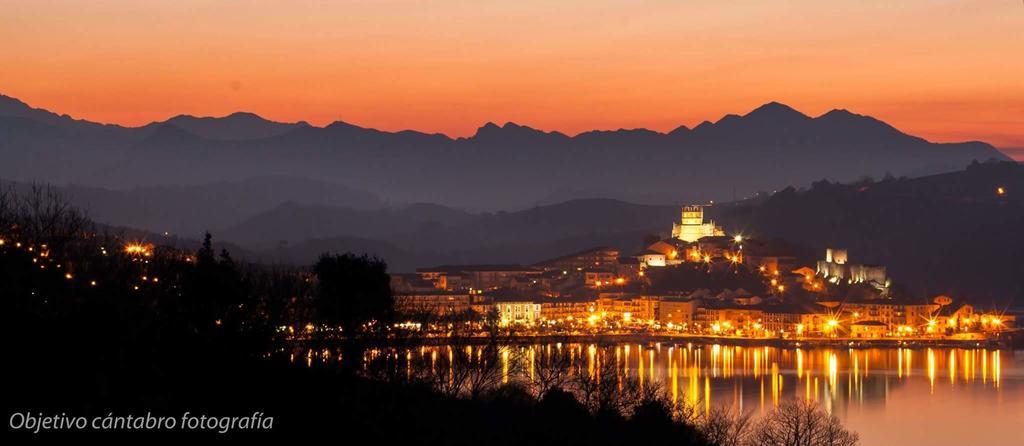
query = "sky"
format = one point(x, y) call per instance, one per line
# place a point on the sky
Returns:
point(942, 69)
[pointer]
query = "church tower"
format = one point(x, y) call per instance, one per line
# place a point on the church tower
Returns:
point(693, 215)
point(691, 226)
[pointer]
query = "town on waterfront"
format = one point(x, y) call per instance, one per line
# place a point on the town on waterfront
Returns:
point(699, 282)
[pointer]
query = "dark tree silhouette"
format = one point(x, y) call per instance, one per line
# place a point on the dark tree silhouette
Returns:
point(801, 423)
point(352, 291)
point(215, 297)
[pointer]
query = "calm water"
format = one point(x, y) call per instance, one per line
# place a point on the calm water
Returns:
point(934, 396)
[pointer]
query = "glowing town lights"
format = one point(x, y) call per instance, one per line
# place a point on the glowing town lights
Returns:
point(761, 268)
point(997, 321)
point(1000, 190)
point(707, 259)
point(627, 316)
point(799, 329)
point(782, 288)
point(92, 283)
point(620, 281)
point(833, 323)
point(68, 276)
point(673, 254)
point(2, 242)
point(138, 249)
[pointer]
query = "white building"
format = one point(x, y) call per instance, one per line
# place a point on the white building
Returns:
point(649, 258)
point(518, 312)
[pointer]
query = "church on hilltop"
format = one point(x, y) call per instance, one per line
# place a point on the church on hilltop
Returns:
point(692, 227)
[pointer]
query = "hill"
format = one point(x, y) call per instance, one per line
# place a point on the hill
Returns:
point(952, 233)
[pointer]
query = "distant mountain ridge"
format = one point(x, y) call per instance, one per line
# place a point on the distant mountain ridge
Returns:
point(236, 126)
point(504, 166)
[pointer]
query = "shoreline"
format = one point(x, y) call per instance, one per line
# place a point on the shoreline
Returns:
point(1002, 343)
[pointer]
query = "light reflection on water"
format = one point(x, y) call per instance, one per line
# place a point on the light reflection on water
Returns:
point(888, 395)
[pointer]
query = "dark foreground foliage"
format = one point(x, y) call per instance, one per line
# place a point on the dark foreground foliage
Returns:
point(90, 329)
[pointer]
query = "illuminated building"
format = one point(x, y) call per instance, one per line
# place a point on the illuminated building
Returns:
point(639, 308)
point(692, 227)
point(679, 312)
point(567, 309)
point(598, 278)
point(518, 312)
point(730, 317)
point(650, 258)
point(868, 329)
point(674, 250)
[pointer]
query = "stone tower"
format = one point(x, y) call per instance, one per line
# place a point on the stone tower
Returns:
point(691, 226)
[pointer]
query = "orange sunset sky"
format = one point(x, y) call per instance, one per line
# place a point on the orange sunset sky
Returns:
point(946, 70)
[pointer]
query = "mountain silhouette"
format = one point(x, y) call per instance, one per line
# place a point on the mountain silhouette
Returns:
point(236, 126)
point(507, 166)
